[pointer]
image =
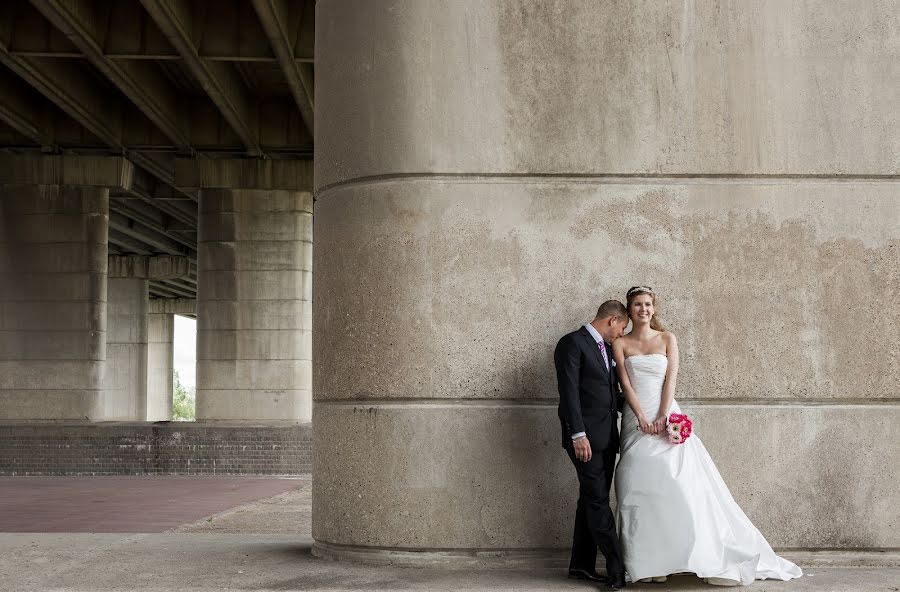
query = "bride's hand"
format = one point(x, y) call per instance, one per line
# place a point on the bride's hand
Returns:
point(645, 425)
point(660, 424)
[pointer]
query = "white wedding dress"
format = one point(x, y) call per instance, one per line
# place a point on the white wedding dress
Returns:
point(675, 512)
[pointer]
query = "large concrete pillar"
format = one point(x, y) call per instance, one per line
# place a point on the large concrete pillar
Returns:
point(127, 382)
point(488, 172)
point(254, 293)
point(125, 379)
point(161, 352)
point(160, 360)
point(54, 213)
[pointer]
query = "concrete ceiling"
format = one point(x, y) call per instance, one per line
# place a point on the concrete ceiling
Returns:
point(154, 80)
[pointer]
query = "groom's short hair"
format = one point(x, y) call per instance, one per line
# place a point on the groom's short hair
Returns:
point(612, 308)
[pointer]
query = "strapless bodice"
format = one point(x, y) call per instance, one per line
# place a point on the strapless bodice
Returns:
point(647, 373)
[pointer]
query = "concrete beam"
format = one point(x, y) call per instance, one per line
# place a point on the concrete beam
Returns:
point(154, 219)
point(67, 87)
point(127, 244)
point(153, 268)
point(148, 236)
point(219, 80)
point(274, 15)
point(181, 306)
point(157, 291)
point(146, 189)
point(296, 175)
point(142, 82)
point(113, 172)
point(19, 110)
point(177, 289)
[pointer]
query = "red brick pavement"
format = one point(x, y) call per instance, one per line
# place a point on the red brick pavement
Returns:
point(124, 504)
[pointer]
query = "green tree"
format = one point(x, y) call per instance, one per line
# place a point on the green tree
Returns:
point(183, 405)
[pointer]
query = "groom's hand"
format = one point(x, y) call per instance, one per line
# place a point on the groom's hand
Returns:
point(582, 449)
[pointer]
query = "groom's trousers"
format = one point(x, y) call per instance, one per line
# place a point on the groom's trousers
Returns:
point(595, 525)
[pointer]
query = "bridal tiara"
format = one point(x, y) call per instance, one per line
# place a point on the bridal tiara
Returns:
point(640, 290)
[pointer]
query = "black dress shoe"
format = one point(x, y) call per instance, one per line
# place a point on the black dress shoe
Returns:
point(616, 581)
point(586, 574)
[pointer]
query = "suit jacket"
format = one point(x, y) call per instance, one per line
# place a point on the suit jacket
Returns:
point(589, 398)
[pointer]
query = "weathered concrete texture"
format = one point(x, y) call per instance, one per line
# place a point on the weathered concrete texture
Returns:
point(179, 306)
point(488, 172)
point(161, 267)
point(769, 286)
point(52, 301)
point(160, 366)
point(67, 170)
point(125, 378)
point(249, 173)
point(507, 485)
point(563, 86)
point(253, 305)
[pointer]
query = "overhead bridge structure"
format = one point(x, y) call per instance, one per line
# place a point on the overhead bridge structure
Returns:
point(155, 156)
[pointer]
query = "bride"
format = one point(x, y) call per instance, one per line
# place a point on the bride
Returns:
point(675, 512)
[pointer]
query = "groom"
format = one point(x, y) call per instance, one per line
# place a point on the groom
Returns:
point(588, 409)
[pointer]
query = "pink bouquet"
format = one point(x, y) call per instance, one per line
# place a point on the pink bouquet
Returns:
point(679, 428)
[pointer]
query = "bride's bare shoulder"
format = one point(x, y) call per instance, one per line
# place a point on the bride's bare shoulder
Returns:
point(669, 338)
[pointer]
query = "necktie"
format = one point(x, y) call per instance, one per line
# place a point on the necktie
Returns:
point(603, 351)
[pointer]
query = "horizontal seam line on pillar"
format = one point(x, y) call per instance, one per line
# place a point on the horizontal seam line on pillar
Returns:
point(272, 300)
point(608, 178)
point(305, 330)
point(244, 299)
point(253, 269)
point(554, 402)
point(253, 240)
point(213, 213)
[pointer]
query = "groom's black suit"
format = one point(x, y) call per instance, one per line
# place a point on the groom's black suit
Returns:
point(589, 402)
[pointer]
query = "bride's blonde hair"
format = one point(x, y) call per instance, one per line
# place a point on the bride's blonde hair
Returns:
point(636, 291)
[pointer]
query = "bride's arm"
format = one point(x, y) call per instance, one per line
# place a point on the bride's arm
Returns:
point(630, 398)
point(668, 392)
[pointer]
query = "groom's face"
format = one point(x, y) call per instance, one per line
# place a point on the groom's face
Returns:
point(613, 328)
point(619, 328)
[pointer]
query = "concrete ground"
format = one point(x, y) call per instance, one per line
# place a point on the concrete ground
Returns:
point(264, 545)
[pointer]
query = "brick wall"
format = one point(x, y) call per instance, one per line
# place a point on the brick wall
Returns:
point(173, 448)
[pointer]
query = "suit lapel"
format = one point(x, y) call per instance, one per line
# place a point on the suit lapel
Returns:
point(596, 347)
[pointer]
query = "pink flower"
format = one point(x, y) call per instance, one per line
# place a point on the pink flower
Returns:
point(680, 427)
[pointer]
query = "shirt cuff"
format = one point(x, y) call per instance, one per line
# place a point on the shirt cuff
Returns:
point(578, 435)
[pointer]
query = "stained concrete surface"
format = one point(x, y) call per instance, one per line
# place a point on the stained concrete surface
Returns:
point(264, 545)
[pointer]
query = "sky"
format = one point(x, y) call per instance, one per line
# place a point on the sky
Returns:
point(186, 350)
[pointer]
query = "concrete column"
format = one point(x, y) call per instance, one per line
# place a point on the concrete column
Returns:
point(54, 213)
point(129, 352)
point(254, 293)
point(125, 383)
point(488, 172)
point(160, 360)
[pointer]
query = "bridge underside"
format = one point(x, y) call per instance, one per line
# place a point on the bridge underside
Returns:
point(155, 81)
point(155, 158)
